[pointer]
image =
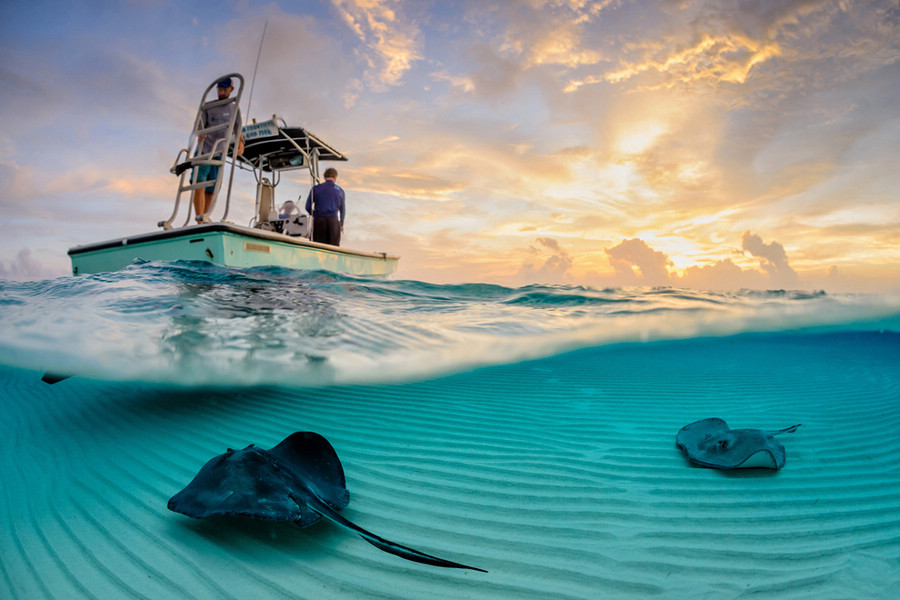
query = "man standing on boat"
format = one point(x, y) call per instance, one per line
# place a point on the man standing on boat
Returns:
point(326, 205)
point(217, 115)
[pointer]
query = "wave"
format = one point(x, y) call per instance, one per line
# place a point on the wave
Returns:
point(192, 324)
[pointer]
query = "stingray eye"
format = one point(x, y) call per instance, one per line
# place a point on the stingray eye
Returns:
point(722, 445)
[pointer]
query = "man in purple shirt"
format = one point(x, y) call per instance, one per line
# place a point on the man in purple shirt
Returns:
point(326, 205)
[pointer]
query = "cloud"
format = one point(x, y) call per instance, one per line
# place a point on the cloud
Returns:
point(533, 41)
point(460, 83)
point(636, 261)
point(71, 202)
point(406, 184)
point(550, 263)
point(772, 258)
point(391, 43)
point(712, 59)
point(493, 74)
point(28, 95)
point(18, 184)
point(304, 65)
point(160, 186)
point(553, 32)
point(24, 267)
point(485, 164)
point(722, 275)
point(709, 44)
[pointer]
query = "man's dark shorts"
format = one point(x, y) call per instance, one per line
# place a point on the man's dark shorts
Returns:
point(327, 230)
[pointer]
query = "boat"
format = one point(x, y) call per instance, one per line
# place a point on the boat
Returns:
point(274, 237)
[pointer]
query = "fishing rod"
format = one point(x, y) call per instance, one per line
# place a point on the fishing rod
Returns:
point(256, 68)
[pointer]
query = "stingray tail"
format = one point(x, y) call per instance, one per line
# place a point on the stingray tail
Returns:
point(383, 544)
point(790, 429)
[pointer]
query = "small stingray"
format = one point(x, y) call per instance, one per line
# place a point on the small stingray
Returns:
point(301, 480)
point(52, 378)
point(709, 443)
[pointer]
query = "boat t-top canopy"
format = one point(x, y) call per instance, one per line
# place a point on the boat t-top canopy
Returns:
point(273, 146)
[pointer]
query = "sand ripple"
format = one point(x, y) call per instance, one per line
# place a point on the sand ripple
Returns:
point(560, 477)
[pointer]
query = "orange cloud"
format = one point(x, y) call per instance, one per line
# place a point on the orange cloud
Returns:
point(160, 187)
point(714, 59)
point(393, 44)
point(634, 258)
point(634, 262)
point(403, 184)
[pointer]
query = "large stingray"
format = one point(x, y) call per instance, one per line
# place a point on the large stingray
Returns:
point(710, 443)
point(301, 480)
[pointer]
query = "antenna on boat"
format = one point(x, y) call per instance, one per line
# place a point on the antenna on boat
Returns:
point(258, 54)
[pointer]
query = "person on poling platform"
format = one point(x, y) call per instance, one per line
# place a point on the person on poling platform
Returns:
point(326, 205)
point(216, 115)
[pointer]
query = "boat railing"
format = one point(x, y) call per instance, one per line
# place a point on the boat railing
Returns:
point(190, 157)
point(210, 158)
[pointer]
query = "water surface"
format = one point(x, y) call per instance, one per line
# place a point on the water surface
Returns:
point(528, 431)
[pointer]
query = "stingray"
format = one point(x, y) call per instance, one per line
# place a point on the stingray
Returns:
point(301, 480)
point(710, 443)
point(52, 378)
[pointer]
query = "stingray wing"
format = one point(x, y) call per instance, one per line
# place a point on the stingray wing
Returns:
point(314, 463)
point(756, 448)
point(242, 483)
point(691, 437)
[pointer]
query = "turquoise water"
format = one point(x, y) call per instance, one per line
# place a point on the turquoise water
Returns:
point(526, 431)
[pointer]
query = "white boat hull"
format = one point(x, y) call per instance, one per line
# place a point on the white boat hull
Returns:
point(228, 245)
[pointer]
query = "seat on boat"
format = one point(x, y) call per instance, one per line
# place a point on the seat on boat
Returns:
point(293, 222)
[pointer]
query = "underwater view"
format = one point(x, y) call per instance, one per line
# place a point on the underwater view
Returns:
point(524, 437)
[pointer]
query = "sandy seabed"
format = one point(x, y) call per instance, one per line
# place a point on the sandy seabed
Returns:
point(560, 477)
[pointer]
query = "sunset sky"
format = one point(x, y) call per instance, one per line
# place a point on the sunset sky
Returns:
point(709, 144)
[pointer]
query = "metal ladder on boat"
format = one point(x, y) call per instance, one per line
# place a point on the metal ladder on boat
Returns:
point(191, 155)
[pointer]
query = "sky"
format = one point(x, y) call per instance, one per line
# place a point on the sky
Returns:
point(707, 144)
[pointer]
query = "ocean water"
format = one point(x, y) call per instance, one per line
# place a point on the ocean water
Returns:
point(199, 324)
point(527, 431)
